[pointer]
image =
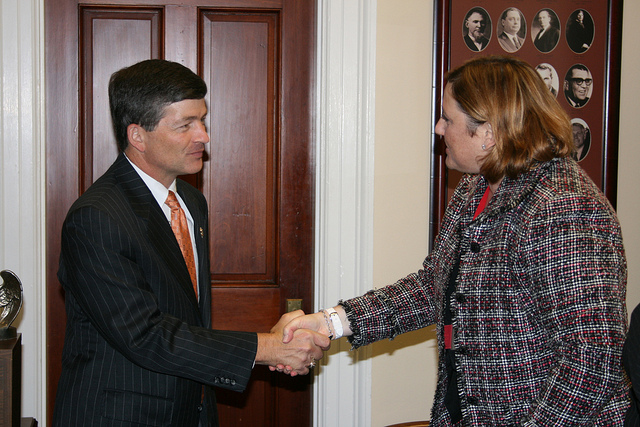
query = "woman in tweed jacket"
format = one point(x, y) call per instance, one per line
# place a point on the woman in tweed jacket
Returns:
point(526, 281)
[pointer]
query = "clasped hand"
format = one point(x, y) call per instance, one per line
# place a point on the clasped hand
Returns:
point(295, 326)
point(298, 351)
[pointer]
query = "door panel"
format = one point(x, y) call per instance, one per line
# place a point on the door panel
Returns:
point(257, 59)
point(240, 178)
point(111, 38)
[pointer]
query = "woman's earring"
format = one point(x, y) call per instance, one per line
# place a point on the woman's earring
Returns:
point(484, 147)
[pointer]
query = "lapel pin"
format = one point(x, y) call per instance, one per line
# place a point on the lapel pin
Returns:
point(201, 232)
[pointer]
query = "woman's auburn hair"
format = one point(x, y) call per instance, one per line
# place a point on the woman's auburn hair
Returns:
point(527, 123)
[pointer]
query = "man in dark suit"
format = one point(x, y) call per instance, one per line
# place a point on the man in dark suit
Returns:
point(139, 349)
point(510, 39)
point(548, 36)
point(475, 24)
point(577, 85)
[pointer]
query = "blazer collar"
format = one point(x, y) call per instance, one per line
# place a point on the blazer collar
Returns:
point(511, 191)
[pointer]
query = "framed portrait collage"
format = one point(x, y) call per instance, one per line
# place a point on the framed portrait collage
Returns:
point(574, 45)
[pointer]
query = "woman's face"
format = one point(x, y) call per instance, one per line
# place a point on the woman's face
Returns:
point(464, 151)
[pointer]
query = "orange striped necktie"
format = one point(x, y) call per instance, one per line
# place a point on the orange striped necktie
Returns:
point(181, 230)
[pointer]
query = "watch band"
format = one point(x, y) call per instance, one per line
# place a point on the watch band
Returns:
point(336, 322)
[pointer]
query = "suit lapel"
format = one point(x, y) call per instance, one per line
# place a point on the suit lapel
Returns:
point(159, 230)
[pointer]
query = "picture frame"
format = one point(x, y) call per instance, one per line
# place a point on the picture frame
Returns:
point(578, 56)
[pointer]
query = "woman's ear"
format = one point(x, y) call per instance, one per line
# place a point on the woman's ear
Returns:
point(485, 131)
point(136, 135)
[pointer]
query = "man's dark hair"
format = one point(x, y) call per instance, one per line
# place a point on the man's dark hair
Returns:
point(476, 9)
point(577, 67)
point(507, 10)
point(140, 93)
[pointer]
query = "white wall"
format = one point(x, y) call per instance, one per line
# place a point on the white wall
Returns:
point(22, 183)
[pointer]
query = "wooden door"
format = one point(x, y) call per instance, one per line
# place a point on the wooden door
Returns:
point(257, 57)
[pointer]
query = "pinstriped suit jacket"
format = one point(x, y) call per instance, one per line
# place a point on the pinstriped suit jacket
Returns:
point(138, 345)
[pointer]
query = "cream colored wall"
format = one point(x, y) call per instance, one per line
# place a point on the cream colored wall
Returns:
point(404, 369)
point(629, 145)
point(404, 372)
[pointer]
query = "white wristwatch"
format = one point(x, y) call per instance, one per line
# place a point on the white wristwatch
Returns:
point(337, 323)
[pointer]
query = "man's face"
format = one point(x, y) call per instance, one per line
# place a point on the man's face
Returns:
point(579, 84)
point(176, 146)
point(475, 24)
point(579, 134)
point(544, 19)
point(511, 22)
point(546, 77)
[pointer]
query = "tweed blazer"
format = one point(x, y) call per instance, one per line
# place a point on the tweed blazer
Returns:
point(539, 307)
point(138, 345)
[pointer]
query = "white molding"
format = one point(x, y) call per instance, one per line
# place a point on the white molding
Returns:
point(344, 197)
point(22, 184)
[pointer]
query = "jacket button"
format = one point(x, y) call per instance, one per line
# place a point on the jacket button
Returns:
point(460, 297)
point(475, 247)
point(199, 408)
point(233, 382)
point(472, 400)
point(462, 350)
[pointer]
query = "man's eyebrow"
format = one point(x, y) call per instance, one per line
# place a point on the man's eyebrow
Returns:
point(192, 118)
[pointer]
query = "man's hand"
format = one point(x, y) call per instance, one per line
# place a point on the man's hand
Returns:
point(301, 351)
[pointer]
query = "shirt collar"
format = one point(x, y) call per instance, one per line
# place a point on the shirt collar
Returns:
point(159, 191)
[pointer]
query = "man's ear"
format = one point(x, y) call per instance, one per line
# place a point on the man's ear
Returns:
point(136, 135)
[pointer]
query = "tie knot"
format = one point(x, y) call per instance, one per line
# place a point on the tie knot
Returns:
point(172, 201)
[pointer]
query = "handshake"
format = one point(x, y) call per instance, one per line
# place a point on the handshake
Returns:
point(297, 341)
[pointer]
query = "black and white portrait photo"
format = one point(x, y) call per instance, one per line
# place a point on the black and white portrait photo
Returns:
point(578, 85)
point(545, 30)
point(476, 29)
point(581, 139)
point(511, 30)
point(550, 77)
point(580, 31)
